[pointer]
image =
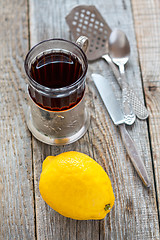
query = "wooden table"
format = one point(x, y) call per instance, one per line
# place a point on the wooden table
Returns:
point(23, 213)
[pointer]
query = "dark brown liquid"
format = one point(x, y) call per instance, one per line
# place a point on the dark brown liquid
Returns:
point(56, 70)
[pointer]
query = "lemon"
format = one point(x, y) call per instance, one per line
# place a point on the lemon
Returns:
point(76, 186)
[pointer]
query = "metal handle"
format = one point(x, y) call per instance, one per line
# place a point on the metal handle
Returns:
point(115, 70)
point(139, 109)
point(127, 109)
point(129, 116)
point(134, 155)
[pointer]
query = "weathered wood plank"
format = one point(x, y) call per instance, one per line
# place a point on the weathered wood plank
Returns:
point(131, 218)
point(16, 185)
point(147, 28)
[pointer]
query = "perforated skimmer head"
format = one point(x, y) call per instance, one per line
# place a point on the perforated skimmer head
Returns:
point(86, 20)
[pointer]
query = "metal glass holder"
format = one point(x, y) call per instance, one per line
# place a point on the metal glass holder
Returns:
point(57, 127)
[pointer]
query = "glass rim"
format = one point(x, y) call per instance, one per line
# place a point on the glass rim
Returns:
point(38, 86)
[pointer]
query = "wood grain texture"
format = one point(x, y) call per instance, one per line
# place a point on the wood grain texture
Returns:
point(134, 215)
point(147, 28)
point(16, 186)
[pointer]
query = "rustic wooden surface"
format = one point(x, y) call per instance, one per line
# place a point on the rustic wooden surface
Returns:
point(23, 213)
point(16, 184)
point(149, 54)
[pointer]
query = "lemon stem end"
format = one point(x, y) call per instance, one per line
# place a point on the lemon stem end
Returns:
point(107, 207)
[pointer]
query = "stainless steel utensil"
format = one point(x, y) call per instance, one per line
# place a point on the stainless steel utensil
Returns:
point(138, 107)
point(117, 116)
point(87, 20)
point(119, 51)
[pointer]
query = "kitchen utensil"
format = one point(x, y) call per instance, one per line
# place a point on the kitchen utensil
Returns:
point(114, 109)
point(138, 107)
point(87, 20)
point(119, 51)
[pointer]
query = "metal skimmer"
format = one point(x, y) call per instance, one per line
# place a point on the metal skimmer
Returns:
point(87, 20)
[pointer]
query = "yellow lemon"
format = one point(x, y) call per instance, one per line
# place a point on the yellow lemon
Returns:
point(76, 186)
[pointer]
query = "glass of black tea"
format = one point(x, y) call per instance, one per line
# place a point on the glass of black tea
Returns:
point(56, 71)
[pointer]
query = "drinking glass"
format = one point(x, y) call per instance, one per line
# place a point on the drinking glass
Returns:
point(57, 115)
